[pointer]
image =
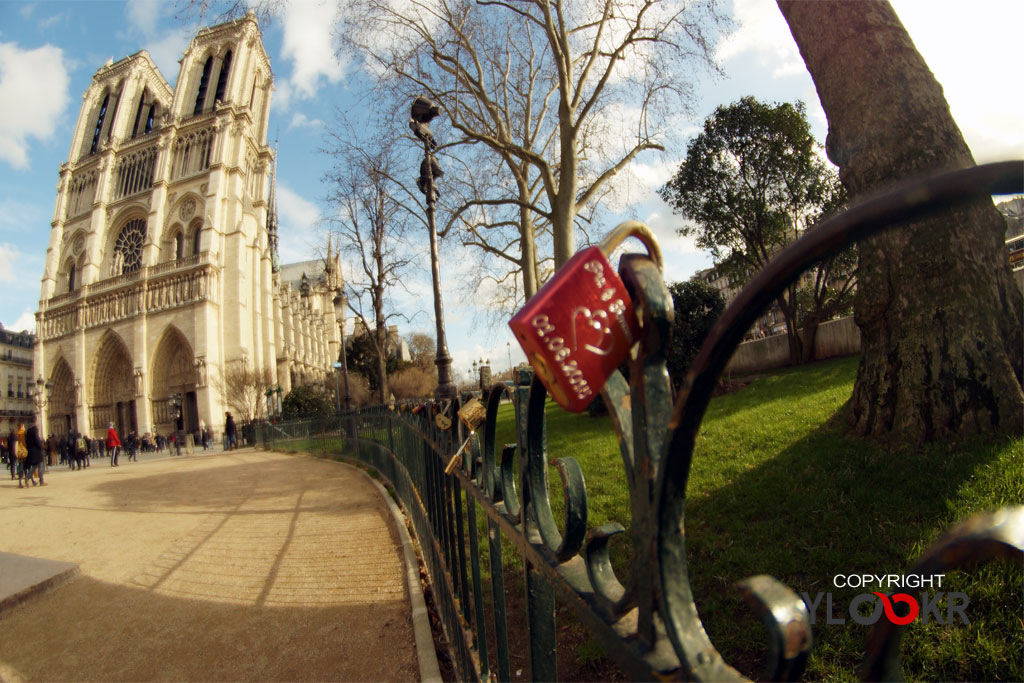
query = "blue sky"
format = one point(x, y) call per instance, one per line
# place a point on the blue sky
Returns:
point(50, 50)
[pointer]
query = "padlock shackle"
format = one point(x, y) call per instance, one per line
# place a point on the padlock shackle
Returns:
point(636, 229)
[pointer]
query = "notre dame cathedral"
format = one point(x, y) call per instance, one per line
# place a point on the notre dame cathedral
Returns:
point(162, 285)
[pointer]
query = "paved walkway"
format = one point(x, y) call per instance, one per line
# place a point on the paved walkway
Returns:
point(229, 566)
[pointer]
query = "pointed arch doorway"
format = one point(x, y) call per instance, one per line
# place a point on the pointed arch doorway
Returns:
point(60, 413)
point(113, 388)
point(175, 402)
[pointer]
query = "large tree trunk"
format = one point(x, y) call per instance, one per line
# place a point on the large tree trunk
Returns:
point(939, 314)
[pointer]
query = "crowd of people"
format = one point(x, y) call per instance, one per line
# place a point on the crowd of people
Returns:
point(27, 455)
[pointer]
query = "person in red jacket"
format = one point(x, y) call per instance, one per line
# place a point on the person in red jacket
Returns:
point(113, 444)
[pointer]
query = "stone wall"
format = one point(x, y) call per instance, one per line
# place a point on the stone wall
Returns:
point(835, 338)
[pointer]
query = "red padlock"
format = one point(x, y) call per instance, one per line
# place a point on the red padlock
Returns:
point(581, 325)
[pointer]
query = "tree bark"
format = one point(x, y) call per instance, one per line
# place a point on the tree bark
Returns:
point(939, 314)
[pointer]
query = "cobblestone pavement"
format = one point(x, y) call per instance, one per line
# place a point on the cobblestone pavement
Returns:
point(228, 566)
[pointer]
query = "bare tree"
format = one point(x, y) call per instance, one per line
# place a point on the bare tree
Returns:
point(939, 313)
point(565, 95)
point(370, 225)
point(423, 349)
point(244, 389)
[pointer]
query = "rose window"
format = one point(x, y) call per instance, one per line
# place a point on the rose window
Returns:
point(128, 247)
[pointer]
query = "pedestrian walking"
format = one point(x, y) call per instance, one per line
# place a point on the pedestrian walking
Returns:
point(12, 462)
point(131, 444)
point(113, 444)
point(230, 432)
point(81, 450)
point(20, 453)
point(34, 458)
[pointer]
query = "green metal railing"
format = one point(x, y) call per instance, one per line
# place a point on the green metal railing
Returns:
point(647, 623)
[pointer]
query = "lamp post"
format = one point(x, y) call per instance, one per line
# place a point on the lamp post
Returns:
point(41, 398)
point(339, 314)
point(423, 111)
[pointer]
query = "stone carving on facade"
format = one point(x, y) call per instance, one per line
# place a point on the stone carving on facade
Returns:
point(140, 383)
point(201, 371)
point(78, 392)
point(188, 209)
point(79, 245)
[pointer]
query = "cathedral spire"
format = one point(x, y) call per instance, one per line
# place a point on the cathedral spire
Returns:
point(272, 214)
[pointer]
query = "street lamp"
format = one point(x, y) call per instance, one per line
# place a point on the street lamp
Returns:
point(339, 314)
point(41, 398)
point(423, 111)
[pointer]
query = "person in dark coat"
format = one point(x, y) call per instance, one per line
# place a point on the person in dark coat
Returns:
point(11, 460)
point(231, 432)
point(34, 460)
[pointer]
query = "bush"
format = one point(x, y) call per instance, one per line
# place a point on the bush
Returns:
point(306, 401)
point(412, 382)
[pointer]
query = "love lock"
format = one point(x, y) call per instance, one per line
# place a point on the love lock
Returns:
point(581, 325)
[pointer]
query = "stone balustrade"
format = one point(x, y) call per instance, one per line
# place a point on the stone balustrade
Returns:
point(148, 290)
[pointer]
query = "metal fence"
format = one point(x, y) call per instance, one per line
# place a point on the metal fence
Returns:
point(647, 622)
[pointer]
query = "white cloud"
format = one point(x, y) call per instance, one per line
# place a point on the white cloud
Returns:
point(299, 220)
point(26, 10)
point(973, 69)
point(34, 90)
point(310, 47)
point(25, 322)
point(8, 257)
point(144, 14)
point(300, 120)
point(166, 46)
point(762, 30)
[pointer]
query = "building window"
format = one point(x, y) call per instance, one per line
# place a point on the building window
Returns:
point(204, 83)
point(149, 119)
point(128, 247)
point(196, 238)
point(71, 278)
point(138, 113)
point(179, 246)
point(222, 79)
point(113, 116)
point(99, 125)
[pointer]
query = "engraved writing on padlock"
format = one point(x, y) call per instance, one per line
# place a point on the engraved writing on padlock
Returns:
point(580, 326)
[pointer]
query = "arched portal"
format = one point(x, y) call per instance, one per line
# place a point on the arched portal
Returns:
point(173, 392)
point(112, 387)
point(60, 411)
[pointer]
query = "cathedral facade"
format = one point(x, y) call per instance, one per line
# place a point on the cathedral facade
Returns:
point(162, 286)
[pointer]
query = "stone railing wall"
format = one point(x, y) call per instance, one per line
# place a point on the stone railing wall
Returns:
point(149, 290)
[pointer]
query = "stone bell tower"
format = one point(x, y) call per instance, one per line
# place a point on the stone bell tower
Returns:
point(161, 280)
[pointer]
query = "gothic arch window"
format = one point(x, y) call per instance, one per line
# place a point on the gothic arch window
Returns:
point(138, 113)
point(179, 245)
point(255, 84)
point(197, 233)
point(99, 124)
point(113, 115)
point(128, 247)
point(71, 276)
point(149, 119)
point(204, 84)
point(222, 79)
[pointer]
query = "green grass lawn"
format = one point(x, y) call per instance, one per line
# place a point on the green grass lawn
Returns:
point(777, 489)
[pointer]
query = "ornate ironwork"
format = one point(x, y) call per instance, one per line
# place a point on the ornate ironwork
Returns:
point(647, 622)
